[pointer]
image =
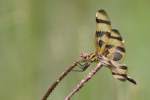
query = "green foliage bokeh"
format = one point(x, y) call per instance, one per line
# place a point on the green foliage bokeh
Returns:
point(39, 39)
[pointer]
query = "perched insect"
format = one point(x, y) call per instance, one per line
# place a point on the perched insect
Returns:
point(109, 43)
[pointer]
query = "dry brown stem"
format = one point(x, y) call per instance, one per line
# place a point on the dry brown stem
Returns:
point(85, 80)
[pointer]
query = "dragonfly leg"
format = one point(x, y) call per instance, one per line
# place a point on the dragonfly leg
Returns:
point(82, 67)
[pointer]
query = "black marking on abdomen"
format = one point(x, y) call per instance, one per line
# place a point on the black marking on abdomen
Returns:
point(106, 52)
point(100, 42)
point(124, 75)
point(116, 31)
point(109, 46)
point(117, 38)
point(99, 33)
point(123, 67)
point(122, 49)
point(102, 11)
point(103, 21)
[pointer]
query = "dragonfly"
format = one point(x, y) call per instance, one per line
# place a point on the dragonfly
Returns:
point(110, 44)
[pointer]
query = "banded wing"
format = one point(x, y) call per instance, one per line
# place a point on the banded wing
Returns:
point(109, 44)
point(103, 29)
point(115, 51)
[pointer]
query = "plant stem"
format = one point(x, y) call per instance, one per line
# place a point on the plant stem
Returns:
point(83, 81)
point(53, 86)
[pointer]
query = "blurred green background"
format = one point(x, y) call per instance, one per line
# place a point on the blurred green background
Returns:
point(39, 39)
